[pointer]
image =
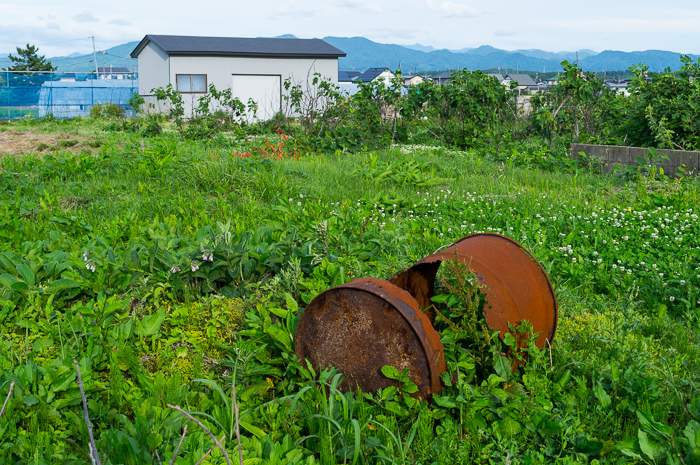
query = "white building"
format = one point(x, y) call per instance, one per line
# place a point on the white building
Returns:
point(252, 68)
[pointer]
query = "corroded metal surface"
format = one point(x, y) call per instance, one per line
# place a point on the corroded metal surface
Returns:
point(363, 325)
point(516, 286)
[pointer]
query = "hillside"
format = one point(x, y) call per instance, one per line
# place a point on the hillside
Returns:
point(363, 53)
point(116, 56)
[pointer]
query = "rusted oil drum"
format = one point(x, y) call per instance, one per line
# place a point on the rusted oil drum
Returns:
point(516, 286)
point(366, 324)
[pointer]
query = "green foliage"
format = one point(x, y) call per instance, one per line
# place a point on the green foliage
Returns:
point(580, 107)
point(106, 110)
point(28, 59)
point(462, 112)
point(174, 269)
point(663, 110)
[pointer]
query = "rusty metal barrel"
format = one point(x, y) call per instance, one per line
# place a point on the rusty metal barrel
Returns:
point(515, 284)
point(366, 324)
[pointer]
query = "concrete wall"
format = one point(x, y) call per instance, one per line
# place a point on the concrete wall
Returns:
point(610, 156)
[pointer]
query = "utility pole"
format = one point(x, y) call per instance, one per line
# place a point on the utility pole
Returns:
point(103, 60)
point(94, 53)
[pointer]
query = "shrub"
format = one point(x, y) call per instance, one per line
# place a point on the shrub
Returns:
point(106, 110)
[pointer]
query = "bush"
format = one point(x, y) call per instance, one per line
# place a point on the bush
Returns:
point(106, 110)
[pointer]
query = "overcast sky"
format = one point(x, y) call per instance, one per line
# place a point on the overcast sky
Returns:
point(63, 27)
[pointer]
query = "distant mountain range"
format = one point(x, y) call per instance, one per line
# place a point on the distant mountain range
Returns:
point(116, 56)
point(363, 53)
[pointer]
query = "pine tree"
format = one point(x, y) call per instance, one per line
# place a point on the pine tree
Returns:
point(29, 60)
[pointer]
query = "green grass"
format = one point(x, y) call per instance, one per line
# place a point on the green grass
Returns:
point(104, 258)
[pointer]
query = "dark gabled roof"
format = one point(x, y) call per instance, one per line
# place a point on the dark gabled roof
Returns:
point(236, 46)
point(113, 70)
point(352, 74)
point(521, 79)
point(370, 74)
point(344, 76)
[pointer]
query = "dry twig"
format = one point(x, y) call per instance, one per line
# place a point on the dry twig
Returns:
point(184, 432)
point(7, 399)
point(94, 455)
point(209, 451)
point(238, 426)
point(199, 423)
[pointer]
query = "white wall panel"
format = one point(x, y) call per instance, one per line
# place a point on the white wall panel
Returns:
point(153, 69)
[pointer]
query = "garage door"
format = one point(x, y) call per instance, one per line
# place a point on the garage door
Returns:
point(264, 89)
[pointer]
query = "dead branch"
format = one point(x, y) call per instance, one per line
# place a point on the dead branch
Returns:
point(199, 423)
point(209, 451)
point(94, 455)
point(184, 432)
point(238, 426)
point(7, 399)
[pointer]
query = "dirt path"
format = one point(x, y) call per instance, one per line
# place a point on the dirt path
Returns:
point(17, 143)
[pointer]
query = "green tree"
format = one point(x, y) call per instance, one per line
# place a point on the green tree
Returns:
point(27, 59)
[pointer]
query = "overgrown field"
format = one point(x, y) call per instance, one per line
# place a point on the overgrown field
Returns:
point(169, 268)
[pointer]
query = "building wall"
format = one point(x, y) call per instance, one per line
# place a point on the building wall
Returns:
point(220, 71)
point(153, 69)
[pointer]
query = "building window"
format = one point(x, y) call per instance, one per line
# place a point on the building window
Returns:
point(192, 83)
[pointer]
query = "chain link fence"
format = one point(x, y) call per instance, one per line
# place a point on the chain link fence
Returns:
point(62, 95)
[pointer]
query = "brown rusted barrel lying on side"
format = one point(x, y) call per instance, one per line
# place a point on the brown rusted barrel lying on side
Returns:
point(366, 324)
point(516, 286)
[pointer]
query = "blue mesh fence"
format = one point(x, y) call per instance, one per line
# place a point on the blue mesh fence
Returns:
point(63, 95)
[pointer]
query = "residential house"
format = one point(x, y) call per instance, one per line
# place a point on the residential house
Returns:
point(253, 68)
point(376, 74)
point(409, 81)
point(114, 72)
point(442, 78)
point(523, 82)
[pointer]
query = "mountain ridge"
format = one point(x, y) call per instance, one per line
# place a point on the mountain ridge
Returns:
point(363, 53)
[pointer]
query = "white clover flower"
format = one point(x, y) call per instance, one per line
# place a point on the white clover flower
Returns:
point(671, 298)
point(614, 267)
point(682, 282)
point(298, 204)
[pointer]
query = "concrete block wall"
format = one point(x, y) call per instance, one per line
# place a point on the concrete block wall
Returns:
point(610, 156)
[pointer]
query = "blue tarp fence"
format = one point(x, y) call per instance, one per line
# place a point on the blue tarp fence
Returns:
point(63, 95)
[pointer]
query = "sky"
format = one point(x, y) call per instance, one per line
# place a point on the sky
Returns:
point(65, 27)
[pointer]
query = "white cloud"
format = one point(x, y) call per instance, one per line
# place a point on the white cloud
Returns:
point(85, 17)
point(53, 26)
point(292, 9)
point(120, 22)
point(362, 5)
point(453, 9)
point(504, 33)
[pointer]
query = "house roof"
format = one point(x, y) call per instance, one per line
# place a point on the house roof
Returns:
point(345, 76)
point(496, 76)
point(113, 70)
point(236, 46)
point(371, 74)
point(521, 79)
